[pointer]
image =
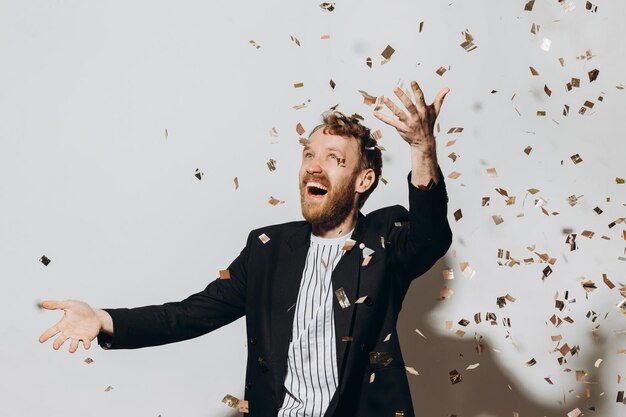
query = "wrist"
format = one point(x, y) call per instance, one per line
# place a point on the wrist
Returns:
point(106, 322)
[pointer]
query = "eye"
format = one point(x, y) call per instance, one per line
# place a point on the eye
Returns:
point(307, 155)
point(332, 156)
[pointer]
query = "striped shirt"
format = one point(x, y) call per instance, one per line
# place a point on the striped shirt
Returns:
point(312, 375)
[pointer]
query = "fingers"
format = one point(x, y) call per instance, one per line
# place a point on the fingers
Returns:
point(394, 109)
point(86, 344)
point(49, 333)
point(53, 305)
point(439, 100)
point(405, 100)
point(419, 97)
point(390, 121)
point(74, 345)
point(58, 342)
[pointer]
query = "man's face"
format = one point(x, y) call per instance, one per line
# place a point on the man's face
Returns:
point(327, 178)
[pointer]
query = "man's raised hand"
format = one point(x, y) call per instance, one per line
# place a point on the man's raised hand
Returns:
point(416, 127)
point(80, 323)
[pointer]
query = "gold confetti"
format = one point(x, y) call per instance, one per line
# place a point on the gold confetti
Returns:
point(199, 174)
point(472, 366)
point(492, 172)
point(274, 201)
point(44, 260)
point(348, 245)
point(453, 156)
point(545, 44)
point(300, 129)
point(455, 376)
point(593, 75)
point(458, 215)
point(448, 273)
point(576, 159)
point(485, 201)
point(445, 293)
point(440, 71)
point(166, 134)
point(367, 98)
point(455, 130)
point(107, 389)
point(388, 52)
point(547, 90)
point(298, 85)
point(541, 113)
point(295, 40)
point(257, 46)
point(450, 143)
point(529, 5)
point(328, 6)
point(332, 85)
point(467, 271)
point(608, 282)
point(497, 219)
point(619, 180)
point(534, 29)
point(468, 44)
point(454, 175)
point(325, 36)
point(574, 413)
point(420, 333)
point(361, 300)
point(591, 7)
point(368, 62)
point(236, 181)
point(372, 377)
point(264, 238)
point(387, 338)
point(224, 274)
point(533, 71)
point(342, 298)
point(531, 362)
point(549, 381)
point(411, 370)
point(271, 164)
point(598, 362)
point(88, 361)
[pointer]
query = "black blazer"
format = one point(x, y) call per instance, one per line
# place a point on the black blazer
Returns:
point(263, 286)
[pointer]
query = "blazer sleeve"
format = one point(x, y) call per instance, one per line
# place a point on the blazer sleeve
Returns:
point(426, 237)
point(220, 303)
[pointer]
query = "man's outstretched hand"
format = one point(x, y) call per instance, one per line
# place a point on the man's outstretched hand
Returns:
point(80, 323)
point(416, 127)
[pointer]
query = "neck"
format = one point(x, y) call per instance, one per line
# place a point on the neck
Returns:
point(344, 227)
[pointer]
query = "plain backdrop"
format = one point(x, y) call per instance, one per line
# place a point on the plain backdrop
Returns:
point(109, 109)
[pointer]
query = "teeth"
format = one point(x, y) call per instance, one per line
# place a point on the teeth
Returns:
point(317, 185)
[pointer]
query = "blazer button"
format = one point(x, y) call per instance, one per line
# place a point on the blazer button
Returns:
point(252, 341)
point(369, 302)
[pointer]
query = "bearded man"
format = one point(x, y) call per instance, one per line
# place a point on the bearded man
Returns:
point(321, 296)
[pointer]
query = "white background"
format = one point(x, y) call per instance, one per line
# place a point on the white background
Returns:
point(89, 179)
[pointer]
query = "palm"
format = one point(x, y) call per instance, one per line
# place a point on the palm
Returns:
point(79, 323)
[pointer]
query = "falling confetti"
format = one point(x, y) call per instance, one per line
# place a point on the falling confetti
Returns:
point(342, 298)
point(274, 201)
point(224, 274)
point(264, 238)
point(198, 174)
point(236, 181)
point(44, 260)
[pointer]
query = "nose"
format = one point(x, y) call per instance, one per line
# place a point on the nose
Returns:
point(313, 166)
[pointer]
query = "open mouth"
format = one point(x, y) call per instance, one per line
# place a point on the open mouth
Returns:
point(315, 190)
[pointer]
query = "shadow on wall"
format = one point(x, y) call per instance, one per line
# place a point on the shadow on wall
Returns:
point(482, 391)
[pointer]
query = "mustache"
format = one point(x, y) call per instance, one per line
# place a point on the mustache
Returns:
point(317, 178)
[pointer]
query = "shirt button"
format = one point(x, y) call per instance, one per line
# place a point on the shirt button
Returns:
point(362, 246)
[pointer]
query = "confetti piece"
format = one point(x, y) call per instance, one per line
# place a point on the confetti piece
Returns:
point(440, 71)
point(533, 71)
point(420, 333)
point(366, 260)
point(531, 362)
point(589, 286)
point(346, 339)
point(166, 134)
point(264, 238)
point(445, 293)
point(107, 389)
point(372, 377)
point(534, 29)
point(295, 40)
point(453, 156)
point(455, 376)
point(325, 36)
point(348, 245)
point(224, 274)
point(298, 85)
point(328, 6)
point(492, 172)
point(411, 370)
point(591, 7)
point(467, 271)
point(545, 44)
point(342, 298)
point(271, 164)
point(485, 201)
point(541, 113)
point(368, 62)
point(44, 260)
point(448, 273)
point(593, 75)
point(361, 300)
point(454, 175)
point(88, 361)
point(274, 201)
point(608, 282)
point(450, 143)
point(367, 98)
point(332, 84)
point(387, 338)
point(529, 5)
point(619, 180)
point(574, 413)
point(549, 381)
point(497, 219)
point(527, 150)
point(458, 215)
point(576, 159)
point(421, 26)
point(472, 366)
point(231, 401)
point(468, 44)
point(598, 362)
point(199, 174)
point(388, 52)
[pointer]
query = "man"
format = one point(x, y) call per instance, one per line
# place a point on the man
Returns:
point(321, 297)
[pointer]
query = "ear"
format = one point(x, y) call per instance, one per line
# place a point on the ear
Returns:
point(364, 180)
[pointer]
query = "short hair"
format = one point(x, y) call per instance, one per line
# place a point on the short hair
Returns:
point(337, 123)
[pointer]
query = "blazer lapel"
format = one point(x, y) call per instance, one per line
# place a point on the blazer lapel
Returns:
point(285, 286)
point(346, 276)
